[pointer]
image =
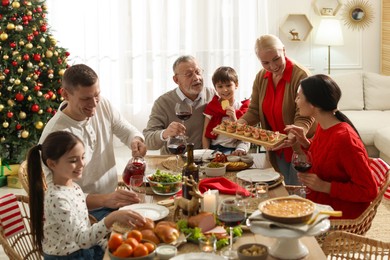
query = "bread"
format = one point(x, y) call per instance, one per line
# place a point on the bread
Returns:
point(204, 220)
point(149, 234)
point(167, 231)
point(225, 104)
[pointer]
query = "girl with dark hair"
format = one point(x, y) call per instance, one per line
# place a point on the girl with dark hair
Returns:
point(59, 215)
point(340, 175)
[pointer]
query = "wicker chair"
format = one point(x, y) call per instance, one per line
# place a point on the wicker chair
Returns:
point(20, 246)
point(361, 224)
point(345, 245)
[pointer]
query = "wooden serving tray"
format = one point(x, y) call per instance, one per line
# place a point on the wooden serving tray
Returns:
point(251, 139)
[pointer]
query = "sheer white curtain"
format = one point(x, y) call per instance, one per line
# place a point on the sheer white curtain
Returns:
point(132, 44)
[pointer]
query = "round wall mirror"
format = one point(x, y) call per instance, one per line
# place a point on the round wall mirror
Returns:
point(357, 14)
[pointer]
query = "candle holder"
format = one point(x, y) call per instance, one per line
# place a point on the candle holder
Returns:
point(208, 244)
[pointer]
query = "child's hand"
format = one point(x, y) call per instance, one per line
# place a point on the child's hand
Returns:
point(231, 112)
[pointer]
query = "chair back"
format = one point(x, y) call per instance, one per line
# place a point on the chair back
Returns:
point(361, 224)
point(20, 246)
point(345, 245)
point(23, 176)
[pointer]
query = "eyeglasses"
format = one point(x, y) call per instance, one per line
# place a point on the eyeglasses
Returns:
point(191, 74)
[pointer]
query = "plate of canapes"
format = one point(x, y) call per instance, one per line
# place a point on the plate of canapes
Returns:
point(252, 134)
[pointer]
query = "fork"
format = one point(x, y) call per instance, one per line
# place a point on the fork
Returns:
point(335, 213)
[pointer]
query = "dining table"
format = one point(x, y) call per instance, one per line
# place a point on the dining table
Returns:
point(314, 250)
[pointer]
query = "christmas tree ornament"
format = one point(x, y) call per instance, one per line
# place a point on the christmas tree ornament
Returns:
point(2, 139)
point(17, 81)
point(10, 102)
point(39, 93)
point(35, 107)
point(10, 26)
point(5, 57)
point(5, 124)
point(10, 87)
point(39, 125)
point(42, 40)
point(15, 4)
point(3, 36)
point(25, 134)
point(19, 28)
point(19, 97)
point(49, 54)
point(25, 88)
point(20, 70)
point(40, 111)
point(22, 115)
point(10, 114)
point(1, 107)
point(29, 45)
point(29, 65)
point(2, 77)
point(18, 126)
point(29, 98)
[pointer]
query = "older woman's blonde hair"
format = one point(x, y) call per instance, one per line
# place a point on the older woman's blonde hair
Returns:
point(268, 42)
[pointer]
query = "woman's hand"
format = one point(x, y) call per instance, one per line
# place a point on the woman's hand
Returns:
point(312, 181)
point(297, 134)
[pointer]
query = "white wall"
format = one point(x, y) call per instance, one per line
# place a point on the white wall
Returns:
point(361, 49)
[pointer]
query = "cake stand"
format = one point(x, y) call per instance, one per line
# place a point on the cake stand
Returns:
point(288, 244)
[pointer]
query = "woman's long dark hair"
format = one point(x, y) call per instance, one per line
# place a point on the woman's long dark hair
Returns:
point(323, 92)
point(54, 147)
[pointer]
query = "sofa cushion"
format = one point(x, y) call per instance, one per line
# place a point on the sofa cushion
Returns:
point(351, 85)
point(376, 91)
point(382, 140)
point(367, 122)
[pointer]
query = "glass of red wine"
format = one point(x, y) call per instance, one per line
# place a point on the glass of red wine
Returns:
point(302, 162)
point(183, 111)
point(177, 146)
point(135, 166)
point(231, 213)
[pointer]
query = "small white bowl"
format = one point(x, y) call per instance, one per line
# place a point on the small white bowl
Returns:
point(215, 171)
point(166, 252)
point(233, 158)
point(247, 158)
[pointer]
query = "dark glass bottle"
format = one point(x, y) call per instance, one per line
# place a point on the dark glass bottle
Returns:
point(190, 169)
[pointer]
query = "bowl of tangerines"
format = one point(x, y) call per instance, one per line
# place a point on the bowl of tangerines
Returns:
point(130, 245)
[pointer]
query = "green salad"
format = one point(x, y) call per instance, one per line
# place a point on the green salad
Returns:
point(165, 183)
point(196, 233)
point(164, 177)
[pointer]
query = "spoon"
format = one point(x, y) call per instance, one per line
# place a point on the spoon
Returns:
point(325, 212)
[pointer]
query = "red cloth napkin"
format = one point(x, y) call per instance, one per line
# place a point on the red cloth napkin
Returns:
point(10, 216)
point(222, 184)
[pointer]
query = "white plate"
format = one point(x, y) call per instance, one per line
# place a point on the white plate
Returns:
point(259, 175)
point(198, 256)
point(149, 210)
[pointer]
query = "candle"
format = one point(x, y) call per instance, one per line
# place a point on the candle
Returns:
point(210, 201)
point(208, 244)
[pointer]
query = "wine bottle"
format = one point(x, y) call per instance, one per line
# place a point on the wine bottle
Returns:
point(189, 169)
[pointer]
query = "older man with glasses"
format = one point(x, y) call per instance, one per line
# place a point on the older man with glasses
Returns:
point(163, 122)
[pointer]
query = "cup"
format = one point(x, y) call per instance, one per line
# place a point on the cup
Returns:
point(137, 185)
point(261, 190)
point(208, 244)
point(244, 191)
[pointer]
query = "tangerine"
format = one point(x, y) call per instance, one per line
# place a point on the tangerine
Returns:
point(132, 241)
point(124, 250)
point(140, 250)
point(135, 234)
point(149, 246)
point(115, 241)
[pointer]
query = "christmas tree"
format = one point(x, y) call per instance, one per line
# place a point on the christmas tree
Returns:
point(31, 68)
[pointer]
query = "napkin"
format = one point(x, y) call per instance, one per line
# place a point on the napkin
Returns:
point(10, 216)
point(222, 184)
point(258, 219)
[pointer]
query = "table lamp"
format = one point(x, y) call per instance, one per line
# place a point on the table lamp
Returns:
point(329, 33)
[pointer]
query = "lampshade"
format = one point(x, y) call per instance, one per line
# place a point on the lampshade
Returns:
point(329, 33)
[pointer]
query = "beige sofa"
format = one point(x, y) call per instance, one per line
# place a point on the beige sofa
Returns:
point(366, 101)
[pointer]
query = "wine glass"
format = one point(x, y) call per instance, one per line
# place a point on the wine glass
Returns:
point(135, 166)
point(177, 145)
point(183, 111)
point(302, 162)
point(231, 212)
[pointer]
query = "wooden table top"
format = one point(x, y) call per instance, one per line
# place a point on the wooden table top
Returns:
point(315, 251)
